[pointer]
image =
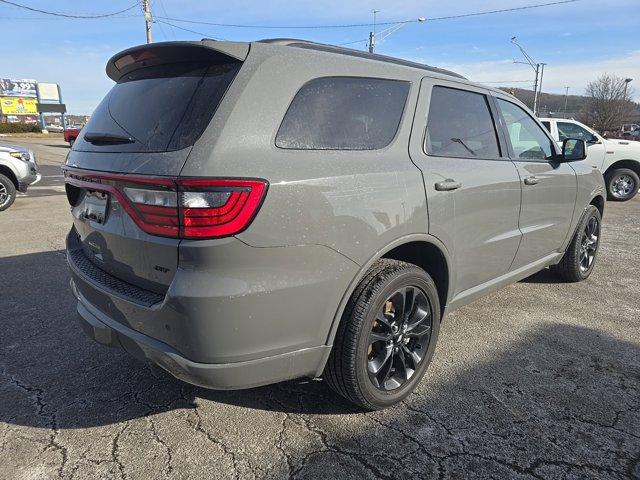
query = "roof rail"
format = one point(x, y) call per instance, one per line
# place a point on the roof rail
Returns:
point(323, 47)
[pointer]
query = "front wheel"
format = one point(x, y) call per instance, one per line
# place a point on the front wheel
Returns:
point(386, 337)
point(580, 257)
point(7, 192)
point(622, 184)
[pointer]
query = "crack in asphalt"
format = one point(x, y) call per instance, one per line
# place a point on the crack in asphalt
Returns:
point(37, 394)
point(115, 450)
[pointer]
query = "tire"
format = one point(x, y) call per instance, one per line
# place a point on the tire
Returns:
point(7, 192)
point(71, 142)
point(573, 267)
point(348, 370)
point(622, 184)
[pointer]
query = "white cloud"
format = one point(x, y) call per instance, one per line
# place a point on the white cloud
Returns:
point(576, 75)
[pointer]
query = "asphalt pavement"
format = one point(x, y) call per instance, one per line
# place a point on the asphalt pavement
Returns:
point(539, 380)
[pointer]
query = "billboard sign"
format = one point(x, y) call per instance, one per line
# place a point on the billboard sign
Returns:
point(18, 106)
point(49, 92)
point(17, 88)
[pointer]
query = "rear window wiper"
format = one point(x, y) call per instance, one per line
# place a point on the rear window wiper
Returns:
point(106, 138)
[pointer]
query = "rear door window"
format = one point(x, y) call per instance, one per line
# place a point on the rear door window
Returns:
point(161, 108)
point(459, 124)
point(344, 113)
point(571, 130)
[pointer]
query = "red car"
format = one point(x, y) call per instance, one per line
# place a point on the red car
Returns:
point(70, 135)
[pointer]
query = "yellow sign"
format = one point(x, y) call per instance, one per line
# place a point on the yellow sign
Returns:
point(19, 106)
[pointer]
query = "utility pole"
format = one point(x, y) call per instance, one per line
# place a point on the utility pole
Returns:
point(540, 86)
point(148, 19)
point(535, 90)
point(372, 34)
point(566, 96)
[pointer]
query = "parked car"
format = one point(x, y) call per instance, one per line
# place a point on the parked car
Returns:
point(630, 130)
point(54, 128)
point(18, 170)
point(70, 135)
point(618, 160)
point(247, 213)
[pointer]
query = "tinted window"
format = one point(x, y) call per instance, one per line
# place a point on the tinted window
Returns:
point(343, 113)
point(528, 140)
point(571, 130)
point(161, 108)
point(460, 125)
point(547, 125)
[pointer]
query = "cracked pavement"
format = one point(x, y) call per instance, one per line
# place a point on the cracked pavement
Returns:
point(539, 380)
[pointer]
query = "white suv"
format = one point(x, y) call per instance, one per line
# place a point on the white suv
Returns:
point(18, 170)
point(618, 160)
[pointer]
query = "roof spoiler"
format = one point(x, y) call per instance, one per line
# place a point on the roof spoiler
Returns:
point(171, 52)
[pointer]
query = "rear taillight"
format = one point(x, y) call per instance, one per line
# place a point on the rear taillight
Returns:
point(181, 208)
point(158, 209)
point(218, 208)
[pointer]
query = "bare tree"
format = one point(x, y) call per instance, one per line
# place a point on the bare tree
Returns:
point(608, 103)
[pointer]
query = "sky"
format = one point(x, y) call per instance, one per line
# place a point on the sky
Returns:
point(577, 41)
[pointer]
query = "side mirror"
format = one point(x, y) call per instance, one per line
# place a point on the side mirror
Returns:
point(593, 139)
point(574, 150)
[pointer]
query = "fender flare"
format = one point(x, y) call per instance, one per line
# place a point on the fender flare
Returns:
point(415, 237)
point(12, 169)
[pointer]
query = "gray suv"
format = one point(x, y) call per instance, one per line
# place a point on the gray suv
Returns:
point(247, 213)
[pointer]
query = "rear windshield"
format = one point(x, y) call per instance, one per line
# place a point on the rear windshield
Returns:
point(343, 113)
point(161, 108)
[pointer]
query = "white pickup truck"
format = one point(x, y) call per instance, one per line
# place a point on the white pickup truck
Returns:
point(618, 160)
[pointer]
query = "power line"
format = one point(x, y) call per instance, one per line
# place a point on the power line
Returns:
point(352, 25)
point(205, 35)
point(503, 10)
point(67, 15)
point(64, 18)
point(355, 41)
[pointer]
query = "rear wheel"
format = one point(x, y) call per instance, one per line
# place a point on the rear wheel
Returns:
point(622, 184)
point(580, 258)
point(386, 337)
point(7, 192)
point(71, 142)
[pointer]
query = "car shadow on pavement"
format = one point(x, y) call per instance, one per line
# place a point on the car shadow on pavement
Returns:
point(543, 276)
point(561, 401)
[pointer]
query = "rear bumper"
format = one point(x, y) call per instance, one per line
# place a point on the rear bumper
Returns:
point(234, 316)
point(223, 376)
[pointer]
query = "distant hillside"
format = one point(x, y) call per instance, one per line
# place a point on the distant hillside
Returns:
point(552, 105)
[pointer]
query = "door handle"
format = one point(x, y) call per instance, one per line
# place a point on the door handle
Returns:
point(447, 185)
point(531, 181)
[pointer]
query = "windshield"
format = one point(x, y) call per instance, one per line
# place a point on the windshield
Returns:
point(157, 109)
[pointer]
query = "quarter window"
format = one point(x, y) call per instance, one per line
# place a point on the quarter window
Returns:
point(344, 113)
point(460, 125)
point(528, 140)
point(571, 130)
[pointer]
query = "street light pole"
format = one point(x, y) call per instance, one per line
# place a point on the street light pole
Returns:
point(566, 96)
point(148, 19)
point(376, 38)
point(627, 81)
point(536, 68)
